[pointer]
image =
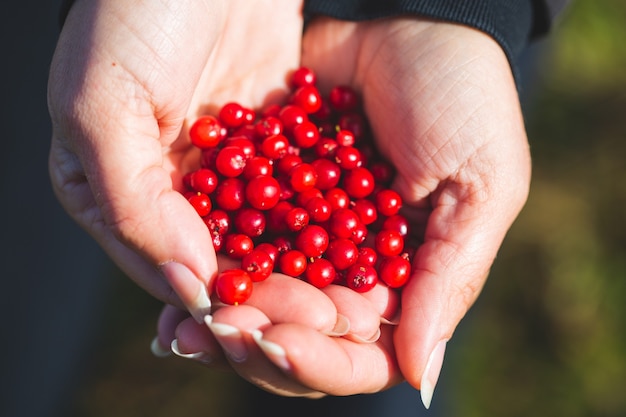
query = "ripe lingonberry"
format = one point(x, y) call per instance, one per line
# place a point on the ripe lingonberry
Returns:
point(320, 272)
point(361, 278)
point(258, 264)
point(312, 241)
point(233, 286)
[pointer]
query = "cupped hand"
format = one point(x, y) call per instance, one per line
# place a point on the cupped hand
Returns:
point(444, 109)
point(124, 83)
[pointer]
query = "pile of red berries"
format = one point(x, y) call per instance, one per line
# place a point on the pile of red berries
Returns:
point(299, 189)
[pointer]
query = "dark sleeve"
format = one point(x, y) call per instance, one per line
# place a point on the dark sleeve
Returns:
point(512, 23)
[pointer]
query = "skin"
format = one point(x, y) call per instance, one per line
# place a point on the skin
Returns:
point(125, 84)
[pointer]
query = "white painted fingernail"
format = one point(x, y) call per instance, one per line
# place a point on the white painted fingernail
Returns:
point(342, 326)
point(431, 373)
point(359, 339)
point(158, 350)
point(272, 350)
point(202, 357)
point(189, 288)
point(231, 340)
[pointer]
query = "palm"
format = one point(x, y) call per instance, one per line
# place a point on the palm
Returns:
point(143, 79)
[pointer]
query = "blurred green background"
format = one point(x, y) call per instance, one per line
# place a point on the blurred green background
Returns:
point(548, 335)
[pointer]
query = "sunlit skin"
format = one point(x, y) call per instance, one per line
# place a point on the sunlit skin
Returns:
point(127, 82)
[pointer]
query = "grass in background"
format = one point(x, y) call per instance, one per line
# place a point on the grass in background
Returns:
point(548, 335)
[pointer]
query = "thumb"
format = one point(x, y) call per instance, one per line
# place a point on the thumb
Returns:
point(449, 271)
point(111, 162)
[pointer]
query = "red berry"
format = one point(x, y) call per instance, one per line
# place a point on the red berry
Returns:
point(358, 182)
point(342, 253)
point(367, 256)
point(319, 209)
point(292, 263)
point(274, 147)
point(250, 221)
point(343, 98)
point(238, 245)
point(320, 273)
point(297, 218)
point(328, 173)
point(308, 98)
point(263, 192)
point(206, 132)
point(348, 157)
point(230, 161)
point(303, 76)
point(343, 222)
point(257, 165)
point(361, 278)
point(389, 243)
point(203, 180)
point(292, 115)
point(233, 286)
point(258, 264)
point(305, 134)
point(201, 202)
point(268, 126)
point(232, 114)
point(395, 271)
point(366, 210)
point(388, 202)
point(230, 194)
point(312, 241)
point(302, 177)
point(218, 222)
point(337, 198)
point(345, 137)
point(397, 222)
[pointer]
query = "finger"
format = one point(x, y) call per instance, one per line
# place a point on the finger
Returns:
point(284, 299)
point(332, 365)
point(233, 327)
point(360, 312)
point(168, 320)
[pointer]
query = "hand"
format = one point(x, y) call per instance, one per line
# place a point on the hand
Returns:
point(443, 105)
point(124, 82)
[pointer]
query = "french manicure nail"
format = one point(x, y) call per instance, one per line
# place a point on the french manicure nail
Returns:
point(359, 339)
point(231, 340)
point(202, 357)
point(342, 326)
point(158, 350)
point(272, 350)
point(431, 373)
point(196, 299)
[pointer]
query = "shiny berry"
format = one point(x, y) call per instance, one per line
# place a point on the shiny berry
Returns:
point(207, 132)
point(389, 242)
point(320, 273)
point(361, 278)
point(312, 241)
point(258, 264)
point(233, 286)
point(263, 192)
point(394, 271)
point(292, 263)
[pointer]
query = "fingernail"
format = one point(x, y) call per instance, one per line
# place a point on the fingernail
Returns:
point(342, 326)
point(230, 338)
point(360, 339)
point(158, 350)
point(273, 351)
point(431, 373)
point(202, 357)
point(189, 288)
